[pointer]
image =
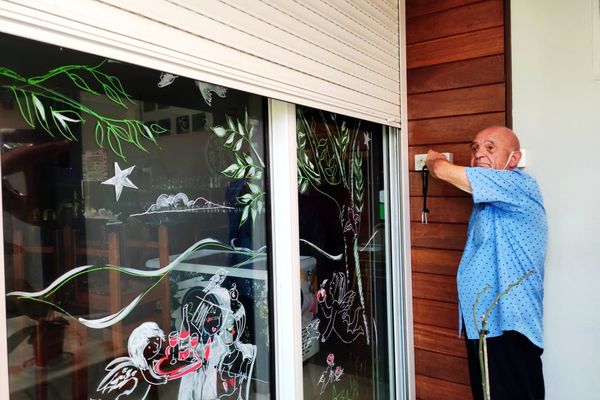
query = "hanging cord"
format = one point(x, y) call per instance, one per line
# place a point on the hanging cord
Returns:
point(425, 183)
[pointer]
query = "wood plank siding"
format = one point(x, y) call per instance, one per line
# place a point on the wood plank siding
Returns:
point(456, 82)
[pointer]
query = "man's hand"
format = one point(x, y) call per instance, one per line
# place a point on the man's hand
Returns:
point(440, 168)
point(432, 157)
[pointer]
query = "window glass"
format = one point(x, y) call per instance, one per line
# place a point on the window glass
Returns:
point(345, 306)
point(134, 230)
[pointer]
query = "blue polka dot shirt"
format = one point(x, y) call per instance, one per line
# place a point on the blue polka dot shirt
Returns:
point(507, 238)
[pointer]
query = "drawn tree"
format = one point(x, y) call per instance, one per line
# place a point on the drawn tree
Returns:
point(331, 158)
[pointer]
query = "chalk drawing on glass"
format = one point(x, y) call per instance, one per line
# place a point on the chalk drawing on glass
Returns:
point(310, 338)
point(100, 322)
point(216, 319)
point(42, 106)
point(330, 156)
point(367, 139)
point(207, 89)
point(333, 373)
point(337, 306)
point(168, 207)
point(248, 165)
point(120, 180)
point(166, 79)
point(206, 354)
point(134, 375)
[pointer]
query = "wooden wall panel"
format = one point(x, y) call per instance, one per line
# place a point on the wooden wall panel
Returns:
point(436, 313)
point(482, 43)
point(456, 82)
point(442, 366)
point(414, 8)
point(435, 261)
point(473, 100)
point(454, 210)
point(451, 129)
point(440, 340)
point(435, 389)
point(439, 236)
point(434, 287)
point(454, 75)
point(474, 17)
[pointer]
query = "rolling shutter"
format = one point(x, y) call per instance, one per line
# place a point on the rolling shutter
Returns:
point(339, 56)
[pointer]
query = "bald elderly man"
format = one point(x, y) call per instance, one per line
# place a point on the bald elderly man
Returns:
point(506, 244)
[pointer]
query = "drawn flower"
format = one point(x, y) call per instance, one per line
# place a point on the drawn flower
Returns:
point(330, 359)
point(321, 295)
point(339, 371)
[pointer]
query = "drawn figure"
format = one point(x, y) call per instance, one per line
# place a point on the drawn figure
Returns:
point(166, 79)
point(237, 363)
point(219, 319)
point(336, 305)
point(133, 375)
point(207, 89)
point(120, 180)
point(330, 374)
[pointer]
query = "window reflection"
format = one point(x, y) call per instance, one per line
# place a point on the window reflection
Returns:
point(135, 237)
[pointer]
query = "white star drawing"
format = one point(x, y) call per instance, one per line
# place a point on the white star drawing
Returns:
point(120, 180)
point(367, 139)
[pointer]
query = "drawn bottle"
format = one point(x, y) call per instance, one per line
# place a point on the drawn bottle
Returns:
point(184, 335)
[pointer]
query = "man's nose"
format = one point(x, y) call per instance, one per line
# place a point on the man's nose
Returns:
point(479, 153)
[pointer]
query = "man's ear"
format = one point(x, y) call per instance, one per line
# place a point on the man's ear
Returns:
point(514, 159)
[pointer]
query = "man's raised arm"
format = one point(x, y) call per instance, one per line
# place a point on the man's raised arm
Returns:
point(441, 168)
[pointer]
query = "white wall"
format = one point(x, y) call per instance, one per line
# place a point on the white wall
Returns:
point(556, 106)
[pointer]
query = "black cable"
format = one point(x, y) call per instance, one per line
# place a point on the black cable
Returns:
point(425, 185)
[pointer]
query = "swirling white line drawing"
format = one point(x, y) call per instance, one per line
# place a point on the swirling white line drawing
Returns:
point(109, 320)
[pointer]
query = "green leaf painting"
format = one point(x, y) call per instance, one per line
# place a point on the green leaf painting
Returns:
point(248, 164)
point(37, 98)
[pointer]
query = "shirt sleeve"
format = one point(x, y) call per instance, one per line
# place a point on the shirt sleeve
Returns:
point(505, 189)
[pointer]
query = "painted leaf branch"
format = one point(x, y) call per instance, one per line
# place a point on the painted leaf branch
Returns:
point(248, 165)
point(44, 107)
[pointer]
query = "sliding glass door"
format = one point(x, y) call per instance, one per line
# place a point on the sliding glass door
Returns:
point(346, 345)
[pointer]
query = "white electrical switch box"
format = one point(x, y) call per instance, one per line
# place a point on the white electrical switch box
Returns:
point(420, 160)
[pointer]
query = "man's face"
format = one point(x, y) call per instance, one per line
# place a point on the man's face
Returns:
point(491, 148)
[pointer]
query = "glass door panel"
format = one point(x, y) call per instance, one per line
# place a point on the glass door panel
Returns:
point(134, 230)
point(345, 307)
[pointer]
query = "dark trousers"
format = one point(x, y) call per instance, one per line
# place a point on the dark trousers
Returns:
point(514, 365)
